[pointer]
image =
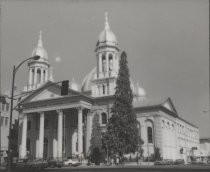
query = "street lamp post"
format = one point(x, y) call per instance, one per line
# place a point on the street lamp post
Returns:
point(11, 106)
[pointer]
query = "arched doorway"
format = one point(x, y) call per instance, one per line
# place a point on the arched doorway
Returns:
point(45, 153)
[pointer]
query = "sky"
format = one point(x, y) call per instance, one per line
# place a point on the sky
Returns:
point(166, 41)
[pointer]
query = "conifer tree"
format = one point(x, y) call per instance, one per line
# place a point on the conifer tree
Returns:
point(122, 133)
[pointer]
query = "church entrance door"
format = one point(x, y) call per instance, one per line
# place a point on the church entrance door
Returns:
point(45, 148)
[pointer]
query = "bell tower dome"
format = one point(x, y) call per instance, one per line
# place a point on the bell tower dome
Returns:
point(107, 58)
point(38, 69)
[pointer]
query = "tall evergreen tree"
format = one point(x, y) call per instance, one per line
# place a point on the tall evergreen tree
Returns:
point(122, 133)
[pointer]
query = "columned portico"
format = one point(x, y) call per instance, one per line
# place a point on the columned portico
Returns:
point(41, 135)
point(24, 136)
point(80, 131)
point(60, 133)
point(107, 65)
point(48, 133)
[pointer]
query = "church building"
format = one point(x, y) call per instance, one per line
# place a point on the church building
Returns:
point(56, 126)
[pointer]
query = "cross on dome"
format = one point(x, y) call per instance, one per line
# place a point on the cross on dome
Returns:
point(106, 21)
point(39, 50)
point(40, 39)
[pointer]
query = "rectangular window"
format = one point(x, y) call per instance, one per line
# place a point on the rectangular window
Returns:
point(3, 105)
point(55, 121)
point(29, 125)
point(6, 121)
point(37, 122)
point(7, 107)
point(2, 120)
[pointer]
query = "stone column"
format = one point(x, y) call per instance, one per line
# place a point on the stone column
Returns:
point(55, 150)
point(35, 77)
point(80, 131)
point(74, 141)
point(37, 148)
point(97, 69)
point(99, 90)
point(60, 133)
point(24, 137)
point(107, 89)
point(55, 142)
point(42, 76)
point(30, 79)
point(46, 75)
point(89, 131)
point(41, 134)
point(100, 65)
point(107, 65)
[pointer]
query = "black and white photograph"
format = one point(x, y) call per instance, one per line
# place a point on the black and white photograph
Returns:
point(109, 85)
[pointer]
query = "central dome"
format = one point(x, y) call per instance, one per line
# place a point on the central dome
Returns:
point(87, 82)
point(107, 37)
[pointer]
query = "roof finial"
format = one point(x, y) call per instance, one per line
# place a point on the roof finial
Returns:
point(40, 39)
point(106, 20)
point(51, 74)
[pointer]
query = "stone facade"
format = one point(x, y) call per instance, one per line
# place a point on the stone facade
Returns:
point(55, 126)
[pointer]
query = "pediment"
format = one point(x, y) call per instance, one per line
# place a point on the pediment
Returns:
point(168, 104)
point(47, 94)
point(49, 90)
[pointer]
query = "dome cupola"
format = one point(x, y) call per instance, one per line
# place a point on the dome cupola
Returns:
point(39, 50)
point(106, 37)
point(38, 69)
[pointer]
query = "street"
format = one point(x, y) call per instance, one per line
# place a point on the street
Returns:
point(134, 168)
point(190, 168)
point(128, 168)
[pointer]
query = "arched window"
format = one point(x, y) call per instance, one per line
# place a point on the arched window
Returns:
point(139, 128)
point(110, 62)
point(149, 134)
point(38, 76)
point(103, 63)
point(103, 89)
point(28, 144)
point(77, 145)
point(103, 118)
point(32, 76)
point(44, 75)
point(3, 106)
point(29, 125)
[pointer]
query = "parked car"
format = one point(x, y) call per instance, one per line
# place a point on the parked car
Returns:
point(55, 163)
point(38, 164)
point(179, 161)
point(71, 162)
point(168, 162)
point(197, 162)
point(158, 163)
